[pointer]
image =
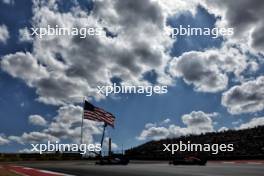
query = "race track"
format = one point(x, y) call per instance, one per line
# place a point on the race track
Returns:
point(87, 168)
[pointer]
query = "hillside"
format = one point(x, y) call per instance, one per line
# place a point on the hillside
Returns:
point(248, 144)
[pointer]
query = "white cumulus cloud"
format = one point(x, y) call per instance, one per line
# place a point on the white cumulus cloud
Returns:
point(4, 141)
point(37, 120)
point(208, 70)
point(66, 125)
point(245, 98)
point(196, 122)
point(4, 34)
point(254, 122)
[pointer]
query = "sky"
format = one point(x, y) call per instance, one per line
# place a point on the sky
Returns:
point(214, 84)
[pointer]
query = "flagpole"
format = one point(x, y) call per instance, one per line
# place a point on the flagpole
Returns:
point(102, 140)
point(82, 121)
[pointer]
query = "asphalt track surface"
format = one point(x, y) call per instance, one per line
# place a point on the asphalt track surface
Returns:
point(88, 168)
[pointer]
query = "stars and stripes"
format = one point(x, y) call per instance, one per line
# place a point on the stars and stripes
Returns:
point(94, 113)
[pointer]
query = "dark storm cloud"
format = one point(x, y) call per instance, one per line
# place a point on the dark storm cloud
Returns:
point(258, 37)
point(146, 54)
point(132, 11)
point(55, 87)
point(244, 16)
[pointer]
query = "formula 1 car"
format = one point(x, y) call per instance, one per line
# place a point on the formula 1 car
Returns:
point(189, 160)
point(115, 159)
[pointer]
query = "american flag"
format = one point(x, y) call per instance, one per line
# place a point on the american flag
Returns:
point(94, 113)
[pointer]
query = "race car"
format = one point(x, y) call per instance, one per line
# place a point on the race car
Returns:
point(189, 160)
point(115, 159)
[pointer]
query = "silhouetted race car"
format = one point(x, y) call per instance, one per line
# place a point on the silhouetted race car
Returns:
point(189, 160)
point(115, 159)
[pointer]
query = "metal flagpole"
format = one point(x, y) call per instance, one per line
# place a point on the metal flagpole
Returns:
point(102, 140)
point(82, 121)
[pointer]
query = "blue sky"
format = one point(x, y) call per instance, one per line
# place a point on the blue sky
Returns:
point(18, 100)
